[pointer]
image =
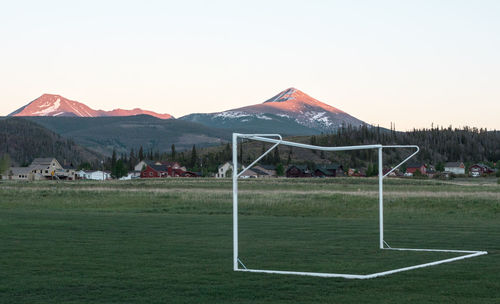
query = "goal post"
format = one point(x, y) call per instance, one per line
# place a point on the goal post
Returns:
point(276, 140)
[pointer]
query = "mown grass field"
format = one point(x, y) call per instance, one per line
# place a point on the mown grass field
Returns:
point(170, 241)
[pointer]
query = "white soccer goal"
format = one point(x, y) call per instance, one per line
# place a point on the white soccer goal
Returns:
point(277, 140)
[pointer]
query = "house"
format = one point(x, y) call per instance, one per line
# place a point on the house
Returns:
point(480, 169)
point(223, 169)
point(298, 171)
point(412, 168)
point(50, 168)
point(168, 169)
point(141, 165)
point(265, 170)
point(93, 175)
point(332, 170)
point(430, 173)
point(154, 171)
point(454, 167)
point(356, 173)
point(250, 173)
point(21, 173)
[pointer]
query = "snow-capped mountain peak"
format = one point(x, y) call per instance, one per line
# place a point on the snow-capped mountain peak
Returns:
point(292, 105)
point(57, 105)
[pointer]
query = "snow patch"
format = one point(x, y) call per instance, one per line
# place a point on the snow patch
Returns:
point(48, 108)
point(283, 115)
point(231, 115)
point(262, 116)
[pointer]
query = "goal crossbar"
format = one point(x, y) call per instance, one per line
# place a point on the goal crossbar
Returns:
point(278, 140)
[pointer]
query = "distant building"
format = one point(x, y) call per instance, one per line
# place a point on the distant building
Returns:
point(94, 175)
point(454, 167)
point(42, 168)
point(265, 170)
point(250, 173)
point(223, 169)
point(21, 173)
point(332, 170)
point(480, 169)
point(412, 168)
point(167, 169)
point(298, 171)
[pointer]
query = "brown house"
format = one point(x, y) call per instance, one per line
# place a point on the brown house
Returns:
point(332, 170)
point(480, 169)
point(298, 171)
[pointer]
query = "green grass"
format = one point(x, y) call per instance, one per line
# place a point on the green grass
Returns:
point(170, 241)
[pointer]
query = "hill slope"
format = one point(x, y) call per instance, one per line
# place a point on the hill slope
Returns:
point(103, 134)
point(56, 105)
point(25, 140)
point(291, 112)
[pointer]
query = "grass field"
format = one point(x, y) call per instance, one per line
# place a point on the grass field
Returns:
point(170, 241)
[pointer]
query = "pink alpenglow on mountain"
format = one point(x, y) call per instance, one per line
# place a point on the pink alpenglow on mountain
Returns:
point(56, 105)
point(298, 106)
point(293, 101)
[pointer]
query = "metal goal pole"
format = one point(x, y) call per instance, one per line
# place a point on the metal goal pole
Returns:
point(381, 199)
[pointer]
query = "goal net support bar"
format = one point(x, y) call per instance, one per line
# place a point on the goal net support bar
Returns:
point(277, 140)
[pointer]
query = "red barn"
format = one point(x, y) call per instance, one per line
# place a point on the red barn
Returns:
point(412, 168)
point(154, 171)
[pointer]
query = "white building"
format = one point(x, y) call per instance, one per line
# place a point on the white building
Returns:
point(131, 175)
point(222, 170)
point(454, 167)
point(93, 175)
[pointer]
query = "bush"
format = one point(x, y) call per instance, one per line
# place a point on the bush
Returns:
point(498, 173)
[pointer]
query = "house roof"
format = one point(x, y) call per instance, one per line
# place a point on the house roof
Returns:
point(42, 161)
point(268, 167)
point(259, 172)
point(482, 166)
point(332, 166)
point(453, 164)
point(159, 168)
point(302, 168)
point(324, 170)
point(415, 165)
point(20, 170)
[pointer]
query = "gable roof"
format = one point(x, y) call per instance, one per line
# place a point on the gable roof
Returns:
point(415, 165)
point(453, 164)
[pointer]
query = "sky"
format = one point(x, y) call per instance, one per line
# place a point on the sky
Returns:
point(412, 63)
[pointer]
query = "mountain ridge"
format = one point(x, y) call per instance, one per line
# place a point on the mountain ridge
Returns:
point(291, 104)
point(57, 105)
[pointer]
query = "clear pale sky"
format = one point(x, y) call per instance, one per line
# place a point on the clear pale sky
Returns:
point(409, 62)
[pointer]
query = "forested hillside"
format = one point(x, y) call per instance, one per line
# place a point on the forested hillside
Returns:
point(24, 140)
point(437, 146)
point(105, 134)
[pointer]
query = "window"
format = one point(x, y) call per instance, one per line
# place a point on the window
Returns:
point(150, 173)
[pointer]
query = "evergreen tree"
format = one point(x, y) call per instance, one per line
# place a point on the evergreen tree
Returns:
point(113, 159)
point(194, 157)
point(276, 158)
point(141, 154)
point(4, 163)
point(172, 153)
point(280, 170)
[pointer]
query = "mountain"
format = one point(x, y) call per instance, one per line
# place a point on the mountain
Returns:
point(25, 140)
point(103, 134)
point(56, 105)
point(291, 112)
